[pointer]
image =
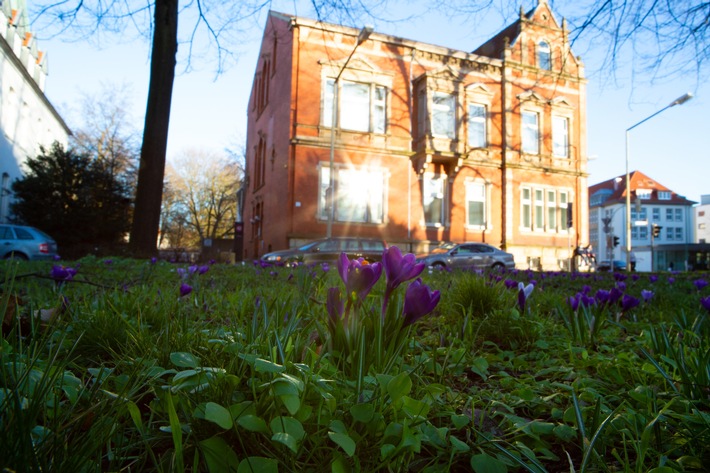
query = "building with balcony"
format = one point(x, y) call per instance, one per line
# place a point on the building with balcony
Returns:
point(27, 118)
point(361, 133)
point(653, 206)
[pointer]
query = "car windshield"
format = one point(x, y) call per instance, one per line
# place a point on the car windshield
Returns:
point(439, 250)
point(310, 245)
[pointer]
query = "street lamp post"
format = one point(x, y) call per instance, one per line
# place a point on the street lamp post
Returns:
point(365, 33)
point(679, 101)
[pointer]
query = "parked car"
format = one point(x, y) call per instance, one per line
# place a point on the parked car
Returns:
point(606, 265)
point(469, 256)
point(22, 242)
point(328, 250)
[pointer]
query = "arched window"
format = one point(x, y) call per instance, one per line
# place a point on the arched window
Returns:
point(543, 55)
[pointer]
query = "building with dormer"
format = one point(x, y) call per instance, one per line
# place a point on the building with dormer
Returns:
point(418, 143)
point(653, 205)
point(27, 118)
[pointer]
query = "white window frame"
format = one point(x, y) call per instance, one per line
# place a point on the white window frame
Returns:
point(526, 221)
point(530, 132)
point(375, 105)
point(551, 202)
point(433, 188)
point(367, 207)
point(678, 214)
point(476, 191)
point(443, 105)
point(563, 200)
point(544, 55)
point(679, 233)
point(539, 209)
point(479, 124)
point(669, 214)
point(664, 195)
point(560, 136)
point(656, 214)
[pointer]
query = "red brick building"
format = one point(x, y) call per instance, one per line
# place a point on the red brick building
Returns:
point(431, 144)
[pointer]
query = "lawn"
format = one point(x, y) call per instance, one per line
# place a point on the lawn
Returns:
point(142, 366)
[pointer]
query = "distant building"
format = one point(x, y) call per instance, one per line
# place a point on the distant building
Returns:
point(702, 220)
point(652, 204)
point(429, 144)
point(27, 118)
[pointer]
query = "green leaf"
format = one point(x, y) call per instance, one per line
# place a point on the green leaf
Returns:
point(399, 386)
point(184, 360)
point(459, 445)
point(287, 440)
point(362, 412)
point(265, 366)
point(289, 425)
point(344, 441)
point(253, 423)
point(258, 465)
point(484, 463)
point(219, 456)
point(480, 367)
point(387, 450)
point(564, 432)
point(338, 426)
point(218, 414)
point(414, 408)
point(460, 421)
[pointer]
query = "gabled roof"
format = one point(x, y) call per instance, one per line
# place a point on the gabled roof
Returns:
point(495, 46)
point(615, 189)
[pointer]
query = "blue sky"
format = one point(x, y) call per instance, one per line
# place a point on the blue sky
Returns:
point(207, 112)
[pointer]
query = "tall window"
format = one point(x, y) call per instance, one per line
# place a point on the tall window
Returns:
point(359, 195)
point(551, 210)
point(656, 213)
point(477, 125)
point(543, 56)
point(531, 133)
point(475, 204)
point(443, 115)
point(678, 215)
point(525, 208)
point(563, 203)
point(4, 197)
point(539, 213)
point(362, 106)
point(433, 186)
point(560, 137)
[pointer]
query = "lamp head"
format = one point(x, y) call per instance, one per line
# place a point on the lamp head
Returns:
point(681, 100)
point(365, 33)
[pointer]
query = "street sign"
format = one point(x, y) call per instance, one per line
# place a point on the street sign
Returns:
point(641, 223)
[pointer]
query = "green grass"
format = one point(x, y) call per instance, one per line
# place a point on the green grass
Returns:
point(246, 374)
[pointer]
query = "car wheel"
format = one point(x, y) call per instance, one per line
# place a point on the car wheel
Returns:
point(438, 266)
point(17, 256)
point(498, 267)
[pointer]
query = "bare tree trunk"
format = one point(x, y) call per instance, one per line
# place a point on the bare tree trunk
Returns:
point(149, 191)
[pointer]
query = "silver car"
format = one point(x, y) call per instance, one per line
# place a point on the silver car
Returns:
point(28, 243)
point(468, 256)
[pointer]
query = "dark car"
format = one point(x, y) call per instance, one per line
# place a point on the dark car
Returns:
point(606, 265)
point(469, 256)
point(22, 242)
point(328, 250)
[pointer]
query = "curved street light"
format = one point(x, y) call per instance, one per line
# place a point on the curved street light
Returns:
point(679, 101)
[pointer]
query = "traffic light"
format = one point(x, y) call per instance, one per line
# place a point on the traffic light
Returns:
point(656, 230)
point(616, 241)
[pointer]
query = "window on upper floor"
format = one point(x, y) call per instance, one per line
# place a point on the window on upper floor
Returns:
point(678, 215)
point(560, 137)
point(664, 195)
point(544, 60)
point(644, 194)
point(679, 233)
point(359, 194)
point(443, 115)
point(669, 215)
point(531, 132)
point(361, 107)
point(434, 186)
point(656, 214)
point(476, 209)
point(259, 163)
point(477, 117)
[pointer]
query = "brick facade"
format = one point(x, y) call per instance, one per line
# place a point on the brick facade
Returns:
point(428, 143)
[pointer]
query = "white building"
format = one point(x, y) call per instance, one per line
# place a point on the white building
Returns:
point(702, 220)
point(652, 205)
point(27, 119)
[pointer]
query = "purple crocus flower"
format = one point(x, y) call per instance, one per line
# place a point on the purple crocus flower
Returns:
point(635, 276)
point(523, 294)
point(614, 295)
point(621, 285)
point(646, 295)
point(182, 272)
point(193, 269)
point(628, 302)
point(185, 289)
point(620, 277)
point(700, 284)
point(573, 301)
point(358, 276)
point(602, 296)
point(108, 262)
point(398, 269)
point(511, 283)
point(203, 269)
point(652, 278)
point(587, 301)
point(62, 273)
point(671, 280)
point(419, 300)
point(153, 260)
point(325, 267)
point(586, 289)
point(705, 302)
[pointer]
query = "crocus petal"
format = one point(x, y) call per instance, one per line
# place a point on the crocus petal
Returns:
point(419, 300)
point(398, 268)
point(185, 289)
point(628, 302)
point(705, 302)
